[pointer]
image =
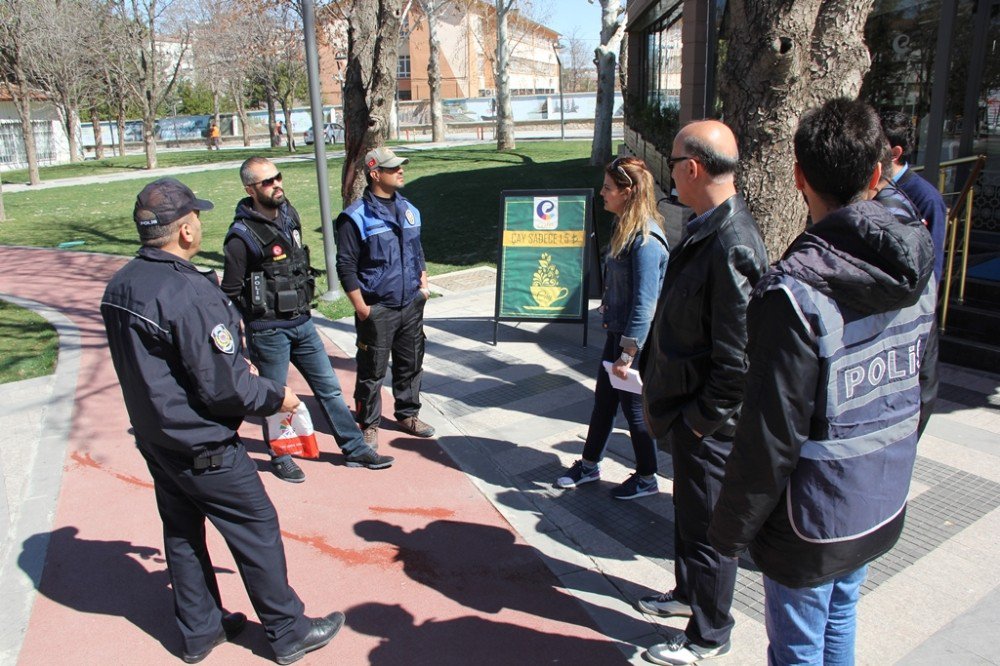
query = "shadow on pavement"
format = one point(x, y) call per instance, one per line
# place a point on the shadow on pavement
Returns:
point(483, 568)
point(104, 577)
point(469, 640)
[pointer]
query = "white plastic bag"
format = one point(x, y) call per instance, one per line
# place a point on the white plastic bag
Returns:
point(291, 433)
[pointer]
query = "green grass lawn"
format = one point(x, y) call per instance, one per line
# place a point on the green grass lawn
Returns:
point(28, 344)
point(456, 189)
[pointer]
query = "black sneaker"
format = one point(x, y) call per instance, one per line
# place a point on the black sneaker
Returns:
point(288, 470)
point(370, 459)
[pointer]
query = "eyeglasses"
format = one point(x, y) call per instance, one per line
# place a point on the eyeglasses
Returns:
point(672, 161)
point(394, 169)
point(617, 166)
point(268, 182)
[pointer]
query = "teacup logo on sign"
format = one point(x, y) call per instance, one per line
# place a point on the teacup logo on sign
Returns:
point(546, 213)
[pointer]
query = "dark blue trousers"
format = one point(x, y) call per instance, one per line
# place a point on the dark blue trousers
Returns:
point(233, 498)
point(705, 579)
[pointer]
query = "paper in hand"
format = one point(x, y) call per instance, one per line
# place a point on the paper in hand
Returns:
point(633, 384)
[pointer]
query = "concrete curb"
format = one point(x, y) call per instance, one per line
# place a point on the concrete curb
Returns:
point(21, 571)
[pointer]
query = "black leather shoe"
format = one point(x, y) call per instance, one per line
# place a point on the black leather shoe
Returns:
point(232, 625)
point(322, 631)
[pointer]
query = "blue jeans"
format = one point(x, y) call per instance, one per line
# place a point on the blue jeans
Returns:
point(813, 625)
point(272, 349)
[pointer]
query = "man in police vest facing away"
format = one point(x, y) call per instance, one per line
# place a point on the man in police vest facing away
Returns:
point(380, 262)
point(839, 330)
point(176, 346)
point(268, 276)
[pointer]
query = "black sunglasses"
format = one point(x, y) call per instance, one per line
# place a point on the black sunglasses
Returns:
point(617, 166)
point(268, 182)
point(671, 161)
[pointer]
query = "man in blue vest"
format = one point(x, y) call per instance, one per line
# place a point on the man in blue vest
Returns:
point(839, 332)
point(268, 276)
point(898, 130)
point(380, 262)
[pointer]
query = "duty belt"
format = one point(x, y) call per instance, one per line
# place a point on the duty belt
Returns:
point(206, 461)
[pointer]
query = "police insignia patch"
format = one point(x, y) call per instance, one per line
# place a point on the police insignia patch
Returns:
point(223, 339)
point(409, 217)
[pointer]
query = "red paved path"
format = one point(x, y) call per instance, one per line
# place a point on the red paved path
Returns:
point(425, 568)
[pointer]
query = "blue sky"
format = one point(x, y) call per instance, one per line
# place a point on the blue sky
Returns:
point(564, 15)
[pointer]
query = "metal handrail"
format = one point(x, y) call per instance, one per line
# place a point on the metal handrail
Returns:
point(965, 198)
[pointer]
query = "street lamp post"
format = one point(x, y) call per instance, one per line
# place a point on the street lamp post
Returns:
point(319, 145)
point(556, 47)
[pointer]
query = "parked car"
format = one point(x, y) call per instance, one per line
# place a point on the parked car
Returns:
point(332, 133)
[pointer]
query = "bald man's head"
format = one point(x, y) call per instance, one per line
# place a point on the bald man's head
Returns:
point(711, 143)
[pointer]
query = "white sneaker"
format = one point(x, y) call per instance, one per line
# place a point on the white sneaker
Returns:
point(680, 650)
point(664, 605)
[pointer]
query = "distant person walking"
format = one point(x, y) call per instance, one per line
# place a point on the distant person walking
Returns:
point(175, 342)
point(633, 274)
point(214, 136)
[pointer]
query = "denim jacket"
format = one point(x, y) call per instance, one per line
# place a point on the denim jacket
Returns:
point(632, 284)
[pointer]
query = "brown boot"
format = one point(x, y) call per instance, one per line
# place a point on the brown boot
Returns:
point(415, 426)
point(370, 435)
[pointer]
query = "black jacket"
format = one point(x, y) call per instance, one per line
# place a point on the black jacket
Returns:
point(867, 262)
point(694, 362)
point(177, 348)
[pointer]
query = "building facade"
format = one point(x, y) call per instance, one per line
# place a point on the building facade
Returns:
point(936, 60)
point(467, 35)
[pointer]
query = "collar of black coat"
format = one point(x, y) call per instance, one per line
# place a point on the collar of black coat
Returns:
point(720, 214)
point(861, 256)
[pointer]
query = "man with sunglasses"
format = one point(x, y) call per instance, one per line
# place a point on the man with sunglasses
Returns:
point(380, 262)
point(268, 276)
point(693, 368)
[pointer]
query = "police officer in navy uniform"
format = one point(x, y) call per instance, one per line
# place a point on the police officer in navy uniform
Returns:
point(176, 345)
point(269, 278)
point(381, 265)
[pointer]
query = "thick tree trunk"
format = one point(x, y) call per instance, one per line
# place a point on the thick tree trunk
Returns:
point(369, 85)
point(434, 72)
point(95, 122)
point(784, 58)
point(120, 121)
point(505, 114)
point(149, 137)
point(272, 119)
point(72, 123)
point(606, 59)
point(286, 111)
point(22, 101)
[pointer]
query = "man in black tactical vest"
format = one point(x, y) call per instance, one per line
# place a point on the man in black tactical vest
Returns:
point(267, 274)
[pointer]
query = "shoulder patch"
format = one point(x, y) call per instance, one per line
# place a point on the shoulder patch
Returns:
point(223, 339)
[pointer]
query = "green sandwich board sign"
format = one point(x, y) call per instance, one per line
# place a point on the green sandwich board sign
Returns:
point(544, 255)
